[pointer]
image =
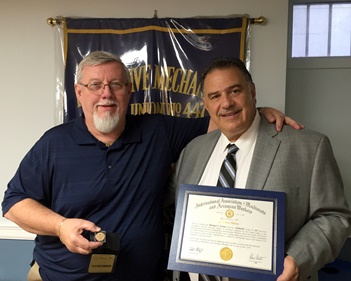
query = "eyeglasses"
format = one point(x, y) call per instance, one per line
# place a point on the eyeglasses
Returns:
point(95, 87)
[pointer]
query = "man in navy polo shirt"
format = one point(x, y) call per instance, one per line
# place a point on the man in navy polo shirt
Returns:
point(104, 171)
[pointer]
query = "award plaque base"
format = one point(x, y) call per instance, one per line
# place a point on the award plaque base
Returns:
point(103, 258)
point(102, 263)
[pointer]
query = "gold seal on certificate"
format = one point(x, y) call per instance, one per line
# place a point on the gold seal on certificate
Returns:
point(229, 213)
point(226, 254)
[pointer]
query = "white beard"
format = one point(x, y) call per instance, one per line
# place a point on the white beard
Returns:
point(107, 123)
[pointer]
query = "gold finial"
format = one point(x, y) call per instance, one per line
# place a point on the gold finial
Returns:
point(52, 21)
point(155, 14)
point(259, 20)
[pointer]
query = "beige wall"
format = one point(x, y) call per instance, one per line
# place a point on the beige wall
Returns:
point(27, 60)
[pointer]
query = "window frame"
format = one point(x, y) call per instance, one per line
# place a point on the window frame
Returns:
point(313, 62)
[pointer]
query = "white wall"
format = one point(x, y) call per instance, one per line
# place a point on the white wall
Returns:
point(27, 60)
point(321, 99)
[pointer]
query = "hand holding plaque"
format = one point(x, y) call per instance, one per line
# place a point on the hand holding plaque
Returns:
point(103, 259)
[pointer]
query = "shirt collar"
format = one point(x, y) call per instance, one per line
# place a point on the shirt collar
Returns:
point(246, 140)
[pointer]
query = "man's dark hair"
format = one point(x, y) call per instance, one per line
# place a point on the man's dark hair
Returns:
point(225, 63)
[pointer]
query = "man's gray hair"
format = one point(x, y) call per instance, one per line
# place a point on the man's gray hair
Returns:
point(97, 58)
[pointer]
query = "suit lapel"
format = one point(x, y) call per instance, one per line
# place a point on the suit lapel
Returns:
point(209, 142)
point(263, 157)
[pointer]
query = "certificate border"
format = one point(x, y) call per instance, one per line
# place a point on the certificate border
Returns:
point(175, 262)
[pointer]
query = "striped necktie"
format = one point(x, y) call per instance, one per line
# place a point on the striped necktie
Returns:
point(226, 179)
point(228, 169)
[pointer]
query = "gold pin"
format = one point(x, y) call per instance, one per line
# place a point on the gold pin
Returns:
point(100, 236)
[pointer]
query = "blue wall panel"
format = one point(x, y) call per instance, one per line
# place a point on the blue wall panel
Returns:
point(15, 257)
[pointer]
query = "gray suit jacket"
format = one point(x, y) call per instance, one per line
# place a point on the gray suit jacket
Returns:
point(301, 164)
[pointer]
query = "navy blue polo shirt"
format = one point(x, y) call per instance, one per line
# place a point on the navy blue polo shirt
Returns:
point(120, 188)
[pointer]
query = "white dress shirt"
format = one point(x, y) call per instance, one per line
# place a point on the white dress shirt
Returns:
point(246, 144)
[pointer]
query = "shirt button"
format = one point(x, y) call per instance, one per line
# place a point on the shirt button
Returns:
point(109, 166)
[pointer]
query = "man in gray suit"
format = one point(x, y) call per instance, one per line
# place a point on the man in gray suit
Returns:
point(297, 162)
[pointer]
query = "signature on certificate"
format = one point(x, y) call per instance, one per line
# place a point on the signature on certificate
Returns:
point(196, 250)
point(256, 257)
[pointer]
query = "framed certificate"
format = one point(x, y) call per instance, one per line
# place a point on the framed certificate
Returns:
point(229, 232)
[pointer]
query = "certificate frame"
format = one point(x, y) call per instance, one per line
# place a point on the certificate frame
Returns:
point(184, 257)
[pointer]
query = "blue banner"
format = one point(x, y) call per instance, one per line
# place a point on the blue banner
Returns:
point(165, 57)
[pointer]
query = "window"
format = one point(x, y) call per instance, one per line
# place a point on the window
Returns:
point(321, 30)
